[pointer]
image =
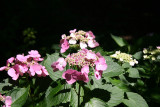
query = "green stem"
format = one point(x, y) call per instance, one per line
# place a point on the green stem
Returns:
point(79, 92)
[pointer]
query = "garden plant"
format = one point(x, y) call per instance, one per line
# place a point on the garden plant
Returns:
point(80, 73)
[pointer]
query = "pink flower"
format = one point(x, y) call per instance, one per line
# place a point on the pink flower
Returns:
point(93, 43)
point(59, 64)
point(64, 45)
point(90, 35)
point(71, 76)
point(36, 68)
point(101, 64)
point(85, 69)
point(83, 77)
point(13, 73)
point(10, 60)
point(3, 68)
point(34, 54)
point(73, 31)
point(44, 71)
point(158, 47)
point(91, 55)
point(98, 74)
point(21, 58)
point(8, 101)
point(83, 45)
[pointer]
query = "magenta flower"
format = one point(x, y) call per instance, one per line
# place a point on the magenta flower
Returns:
point(59, 64)
point(71, 76)
point(101, 64)
point(98, 74)
point(64, 45)
point(83, 77)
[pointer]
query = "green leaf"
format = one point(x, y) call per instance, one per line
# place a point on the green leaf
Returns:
point(138, 55)
point(3, 85)
point(47, 63)
point(113, 69)
point(60, 93)
point(93, 84)
point(134, 99)
point(117, 96)
point(95, 102)
point(133, 73)
point(126, 65)
point(120, 41)
point(19, 96)
point(100, 50)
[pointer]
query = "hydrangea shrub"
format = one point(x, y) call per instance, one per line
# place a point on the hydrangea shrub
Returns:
point(81, 74)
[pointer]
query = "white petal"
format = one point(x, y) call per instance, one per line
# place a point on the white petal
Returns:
point(73, 35)
point(72, 41)
point(83, 45)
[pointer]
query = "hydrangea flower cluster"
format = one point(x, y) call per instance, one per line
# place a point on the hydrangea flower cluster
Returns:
point(81, 38)
point(19, 65)
point(83, 60)
point(7, 100)
point(123, 57)
point(152, 54)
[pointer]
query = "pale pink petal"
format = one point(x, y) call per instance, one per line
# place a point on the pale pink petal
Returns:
point(14, 74)
point(10, 60)
point(34, 53)
point(8, 101)
point(73, 31)
point(98, 74)
point(21, 58)
point(85, 69)
point(91, 55)
point(83, 45)
point(3, 68)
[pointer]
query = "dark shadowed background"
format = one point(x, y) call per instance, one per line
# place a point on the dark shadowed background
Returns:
point(130, 19)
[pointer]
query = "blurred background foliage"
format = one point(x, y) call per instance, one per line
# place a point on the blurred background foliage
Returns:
point(34, 24)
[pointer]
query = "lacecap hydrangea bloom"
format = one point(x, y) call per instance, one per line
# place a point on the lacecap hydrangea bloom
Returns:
point(152, 54)
point(29, 64)
point(124, 57)
point(81, 62)
point(82, 38)
point(83, 59)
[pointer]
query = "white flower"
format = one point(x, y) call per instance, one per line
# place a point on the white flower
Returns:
point(153, 58)
point(131, 63)
point(72, 41)
point(63, 36)
point(114, 55)
point(135, 61)
point(121, 59)
point(83, 45)
point(144, 56)
point(72, 35)
point(117, 52)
